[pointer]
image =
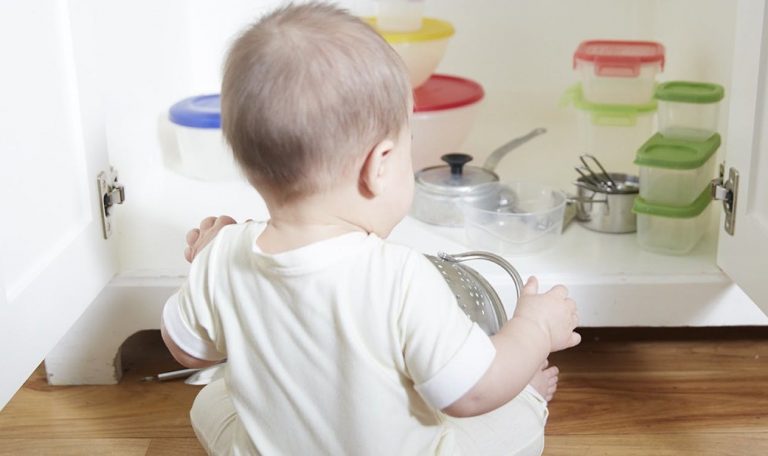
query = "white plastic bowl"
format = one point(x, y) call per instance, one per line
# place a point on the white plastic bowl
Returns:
point(445, 108)
point(422, 49)
point(421, 58)
point(438, 133)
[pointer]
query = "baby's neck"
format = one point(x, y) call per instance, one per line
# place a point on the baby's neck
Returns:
point(304, 222)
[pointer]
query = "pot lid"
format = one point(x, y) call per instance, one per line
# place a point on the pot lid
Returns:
point(454, 179)
point(203, 111)
point(690, 92)
point(441, 91)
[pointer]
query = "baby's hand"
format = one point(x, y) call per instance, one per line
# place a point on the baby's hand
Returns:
point(197, 238)
point(553, 311)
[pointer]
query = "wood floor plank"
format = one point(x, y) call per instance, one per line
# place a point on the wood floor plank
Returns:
point(175, 447)
point(130, 409)
point(73, 447)
point(730, 444)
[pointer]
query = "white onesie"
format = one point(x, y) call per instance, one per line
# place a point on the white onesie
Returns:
point(350, 345)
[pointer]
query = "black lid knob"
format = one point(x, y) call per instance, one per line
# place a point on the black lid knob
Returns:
point(456, 162)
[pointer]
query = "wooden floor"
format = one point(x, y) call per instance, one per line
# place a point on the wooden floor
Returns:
point(622, 392)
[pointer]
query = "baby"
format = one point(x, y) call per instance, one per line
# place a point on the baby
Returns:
point(338, 342)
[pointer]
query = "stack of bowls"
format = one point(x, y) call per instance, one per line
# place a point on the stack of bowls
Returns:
point(445, 107)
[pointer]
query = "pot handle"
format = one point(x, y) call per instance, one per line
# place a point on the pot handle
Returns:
point(478, 255)
point(493, 160)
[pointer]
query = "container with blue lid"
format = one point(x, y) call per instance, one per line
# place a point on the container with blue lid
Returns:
point(203, 111)
point(203, 151)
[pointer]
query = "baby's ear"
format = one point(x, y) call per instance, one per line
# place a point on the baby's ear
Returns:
point(375, 167)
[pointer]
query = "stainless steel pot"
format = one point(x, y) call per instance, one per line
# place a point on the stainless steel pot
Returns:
point(442, 190)
point(604, 209)
point(474, 294)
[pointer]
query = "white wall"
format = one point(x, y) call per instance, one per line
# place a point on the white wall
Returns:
point(156, 53)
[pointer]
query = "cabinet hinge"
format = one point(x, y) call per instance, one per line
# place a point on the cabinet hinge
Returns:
point(111, 192)
point(728, 193)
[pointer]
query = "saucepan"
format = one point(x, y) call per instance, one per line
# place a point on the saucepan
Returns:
point(442, 190)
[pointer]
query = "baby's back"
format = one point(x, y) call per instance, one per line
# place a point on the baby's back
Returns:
point(315, 341)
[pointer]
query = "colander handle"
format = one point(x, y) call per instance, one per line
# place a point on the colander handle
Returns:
point(478, 255)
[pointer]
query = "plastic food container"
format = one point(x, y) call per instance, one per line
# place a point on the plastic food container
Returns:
point(672, 230)
point(688, 110)
point(673, 171)
point(203, 151)
point(525, 218)
point(618, 72)
point(421, 50)
point(612, 133)
point(445, 108)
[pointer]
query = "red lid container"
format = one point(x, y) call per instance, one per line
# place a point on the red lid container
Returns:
point(619, 58)
point(446, 92)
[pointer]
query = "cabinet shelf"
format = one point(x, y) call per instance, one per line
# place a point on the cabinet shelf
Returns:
point(613, 281)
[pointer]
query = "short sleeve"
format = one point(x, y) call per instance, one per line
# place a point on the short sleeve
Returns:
point(189, 315)
point(445, 353)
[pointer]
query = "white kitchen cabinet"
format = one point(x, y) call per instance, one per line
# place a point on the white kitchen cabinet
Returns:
point(56, 263)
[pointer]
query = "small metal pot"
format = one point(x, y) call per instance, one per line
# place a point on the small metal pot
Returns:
point(607, 210)
point(474, 294)
point(442, 190)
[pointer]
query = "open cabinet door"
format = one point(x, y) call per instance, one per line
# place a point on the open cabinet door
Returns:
point(54, 258)
point(744, 254)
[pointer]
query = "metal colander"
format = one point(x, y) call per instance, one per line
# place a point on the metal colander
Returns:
point(475, 296)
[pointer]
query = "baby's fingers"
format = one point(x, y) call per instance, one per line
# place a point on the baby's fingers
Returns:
point(574, 340)
point(193, 235)
point(531, 287)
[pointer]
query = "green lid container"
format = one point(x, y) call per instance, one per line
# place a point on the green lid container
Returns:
point(662, 152)
point(607, 114)
point(689, 92)
point(641, 206)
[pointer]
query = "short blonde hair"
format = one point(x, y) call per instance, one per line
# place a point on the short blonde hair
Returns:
point(306, 91)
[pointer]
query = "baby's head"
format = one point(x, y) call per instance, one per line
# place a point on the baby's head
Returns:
point(308, 91)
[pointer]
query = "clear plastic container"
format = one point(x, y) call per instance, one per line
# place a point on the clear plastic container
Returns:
point(670, 230)
point(203, 151)
point(612, 133)
point(673, 171)
point(527, 218)
point(618, 72)
point(688, 110)
point(422, 49)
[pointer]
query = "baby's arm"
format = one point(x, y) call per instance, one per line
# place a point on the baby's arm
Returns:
point(183, 358)
point(197, 239)
point(542, 323)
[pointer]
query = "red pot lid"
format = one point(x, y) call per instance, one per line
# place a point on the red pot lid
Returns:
point(446, 92)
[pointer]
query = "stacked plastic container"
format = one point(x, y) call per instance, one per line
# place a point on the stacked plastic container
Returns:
point(445, 107)
point(676, 168)
point(615, 100)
